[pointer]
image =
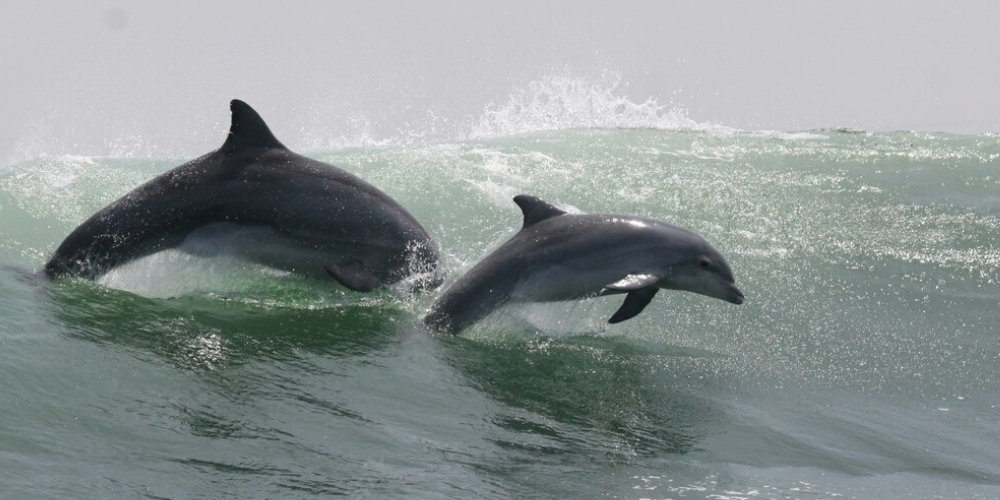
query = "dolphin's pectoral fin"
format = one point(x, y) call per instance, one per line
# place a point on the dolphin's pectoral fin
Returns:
point(633, 282)
point(641, 289)
point(635, 302)
point(354, 275)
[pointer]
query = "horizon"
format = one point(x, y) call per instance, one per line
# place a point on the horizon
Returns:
point(159, 77)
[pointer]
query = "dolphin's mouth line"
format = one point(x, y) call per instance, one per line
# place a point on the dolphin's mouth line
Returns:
point(737, 297)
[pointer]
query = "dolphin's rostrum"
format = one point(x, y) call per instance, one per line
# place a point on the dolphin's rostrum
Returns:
point(558, 256)
point(269, 204)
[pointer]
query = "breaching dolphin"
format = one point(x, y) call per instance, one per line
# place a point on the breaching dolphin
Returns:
point(268, 205)
point(558, 256)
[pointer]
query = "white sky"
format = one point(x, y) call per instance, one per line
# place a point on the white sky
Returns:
point(78, 76)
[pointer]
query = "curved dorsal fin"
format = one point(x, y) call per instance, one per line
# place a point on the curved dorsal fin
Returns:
point(535, 210)
point(248, 129)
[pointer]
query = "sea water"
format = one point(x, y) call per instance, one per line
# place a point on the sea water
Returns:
point(865, 362)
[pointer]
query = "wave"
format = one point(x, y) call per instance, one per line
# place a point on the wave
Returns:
point(556, 101)
point(563, 101)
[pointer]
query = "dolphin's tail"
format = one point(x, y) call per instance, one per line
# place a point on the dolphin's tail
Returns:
point(26, 275)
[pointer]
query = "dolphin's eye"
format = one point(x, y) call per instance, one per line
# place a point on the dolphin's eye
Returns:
point(705, 263)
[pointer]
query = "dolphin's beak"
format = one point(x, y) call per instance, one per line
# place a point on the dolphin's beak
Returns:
point(735, 295)
point(729, 292)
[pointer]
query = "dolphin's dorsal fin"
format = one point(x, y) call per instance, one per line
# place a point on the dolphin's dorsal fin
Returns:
point(248, 129)
point(535, 210)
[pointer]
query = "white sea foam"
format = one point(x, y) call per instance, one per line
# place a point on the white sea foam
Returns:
point(555, 101)
point(562, 101)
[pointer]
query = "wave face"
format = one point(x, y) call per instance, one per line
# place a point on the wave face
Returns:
point(863, 364)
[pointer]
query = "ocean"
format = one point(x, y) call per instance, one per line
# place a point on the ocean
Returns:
point(864, 364)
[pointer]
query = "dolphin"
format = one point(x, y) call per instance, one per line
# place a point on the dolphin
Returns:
point(558, 256)
point(267, 205)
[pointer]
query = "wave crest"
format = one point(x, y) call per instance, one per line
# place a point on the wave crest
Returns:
point(563, 101)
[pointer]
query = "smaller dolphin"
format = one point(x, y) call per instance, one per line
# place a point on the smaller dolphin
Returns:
point(271, 205)
point(557, 256)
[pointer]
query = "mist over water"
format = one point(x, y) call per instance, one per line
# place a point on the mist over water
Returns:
point(111, 79)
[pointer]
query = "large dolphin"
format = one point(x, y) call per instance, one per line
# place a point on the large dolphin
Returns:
point(557, 256)
point(266, 204)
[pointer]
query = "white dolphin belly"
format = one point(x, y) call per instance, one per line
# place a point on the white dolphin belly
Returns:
point(260, 244)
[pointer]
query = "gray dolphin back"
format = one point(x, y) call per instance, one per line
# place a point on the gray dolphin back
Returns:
point(558, 256)
point(319, 219)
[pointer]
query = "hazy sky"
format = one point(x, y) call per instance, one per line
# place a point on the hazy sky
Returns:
point(90, 76)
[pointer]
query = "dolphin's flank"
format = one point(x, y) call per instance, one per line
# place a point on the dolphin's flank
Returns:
point(269, 205)
point(558, 256)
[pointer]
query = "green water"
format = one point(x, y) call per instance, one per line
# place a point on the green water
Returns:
point(864, 363)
